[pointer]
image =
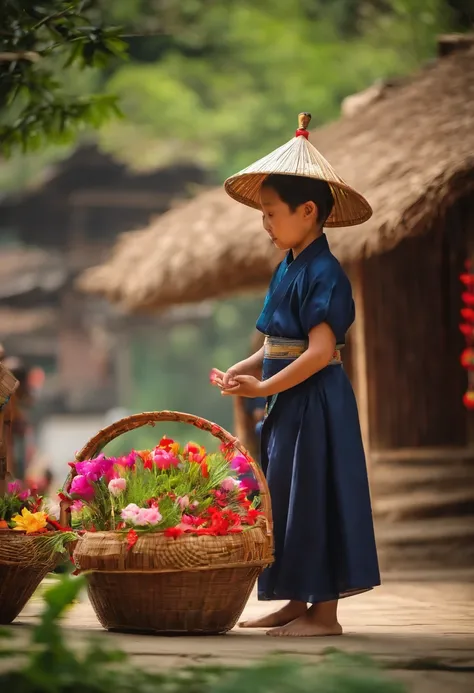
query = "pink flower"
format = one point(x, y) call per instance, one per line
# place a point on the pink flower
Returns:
point(248, 485)
point(147, 516)
point(94, 469)
point(229, 484)
point(77, 506)
point(164, 459)
point(82, 487)
point(128, 460)
point(117, 486)
point(130, 512)
point(24, 495)
point(14, 488)
point(183, 502)
point(240, 464)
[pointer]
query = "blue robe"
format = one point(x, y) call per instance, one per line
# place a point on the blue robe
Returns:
point(312, 450)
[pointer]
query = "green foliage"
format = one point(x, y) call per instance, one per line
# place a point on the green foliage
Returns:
point(13, 501)
point(52, 666)
point(210, 81)
point(238, 96)
point(42, 44)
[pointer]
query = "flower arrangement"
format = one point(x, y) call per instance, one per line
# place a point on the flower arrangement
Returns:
point(173, 489)
point(22, 510)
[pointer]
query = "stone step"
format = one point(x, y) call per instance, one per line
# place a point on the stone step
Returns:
point(426, 544)
point(389, 478)
point(425, 503)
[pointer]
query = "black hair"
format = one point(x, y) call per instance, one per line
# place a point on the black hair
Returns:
point(296, 190)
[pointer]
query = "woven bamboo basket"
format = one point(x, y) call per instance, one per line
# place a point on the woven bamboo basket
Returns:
point(8, 385)
point(24, 562)
point(192, 584)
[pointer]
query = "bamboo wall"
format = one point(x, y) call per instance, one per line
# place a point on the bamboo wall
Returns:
point(413, 342)
point(420, 446)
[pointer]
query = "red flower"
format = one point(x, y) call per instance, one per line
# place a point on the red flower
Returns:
point(204, 469)
point(221, 498)
point(252, 516)
point(467, 279)
point(467, 358)
point(132, 538)
point(166, 443)
point(468, 399)
point(468, 298)
point(173, 532)
point(468, 314)
point(194, 452)
point(466, 329)
point(56, 525)
point(37, 504)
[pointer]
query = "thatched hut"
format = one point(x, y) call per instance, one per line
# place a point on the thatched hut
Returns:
point(411, 153)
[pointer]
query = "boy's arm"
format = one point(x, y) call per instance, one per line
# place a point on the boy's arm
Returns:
point(322, 344)
point(249, 366)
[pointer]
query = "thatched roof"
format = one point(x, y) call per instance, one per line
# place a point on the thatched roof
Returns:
point(410, 152)
point(24, 270)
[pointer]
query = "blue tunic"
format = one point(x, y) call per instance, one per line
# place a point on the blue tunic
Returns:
point(312, 450)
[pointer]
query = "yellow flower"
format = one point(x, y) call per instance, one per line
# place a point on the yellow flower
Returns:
point(174, 448)
point(30, 522)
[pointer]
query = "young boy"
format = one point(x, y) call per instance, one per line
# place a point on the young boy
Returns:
point(312, 449)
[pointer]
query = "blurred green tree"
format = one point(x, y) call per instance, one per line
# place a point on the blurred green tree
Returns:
point(41, 46)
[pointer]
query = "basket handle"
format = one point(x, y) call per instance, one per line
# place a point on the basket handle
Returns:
point(130, 423)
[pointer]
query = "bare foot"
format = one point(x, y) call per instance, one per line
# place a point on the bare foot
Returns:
point(306, 627)
point(287, 614)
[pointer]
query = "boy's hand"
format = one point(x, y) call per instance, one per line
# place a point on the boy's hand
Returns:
point(245, 386)
point(223, 380)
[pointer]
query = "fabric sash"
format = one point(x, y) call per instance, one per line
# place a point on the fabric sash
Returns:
point(289, 350)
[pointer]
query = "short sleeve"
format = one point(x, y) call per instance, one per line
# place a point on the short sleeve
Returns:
point(330, 301)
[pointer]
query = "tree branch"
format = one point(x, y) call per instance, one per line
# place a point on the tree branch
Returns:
point(9, 57)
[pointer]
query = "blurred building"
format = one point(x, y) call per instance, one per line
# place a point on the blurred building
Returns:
point(48, 235)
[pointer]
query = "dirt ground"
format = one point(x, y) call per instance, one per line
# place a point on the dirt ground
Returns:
point(423, 631)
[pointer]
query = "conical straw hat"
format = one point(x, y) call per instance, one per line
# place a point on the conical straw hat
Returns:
point(299, 157)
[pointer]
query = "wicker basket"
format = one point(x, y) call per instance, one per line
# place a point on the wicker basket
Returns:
point(24, 562)
point(192, 584)
point(8, 385)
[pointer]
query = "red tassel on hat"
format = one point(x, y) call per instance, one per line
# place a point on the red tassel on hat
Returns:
point(304, 120)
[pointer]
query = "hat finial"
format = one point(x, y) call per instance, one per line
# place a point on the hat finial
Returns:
point(304, 120)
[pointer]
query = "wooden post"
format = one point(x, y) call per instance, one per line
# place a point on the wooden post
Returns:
point(3, 456)
point(360, 354)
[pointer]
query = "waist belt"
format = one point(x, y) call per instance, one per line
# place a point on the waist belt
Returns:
point(291, 349)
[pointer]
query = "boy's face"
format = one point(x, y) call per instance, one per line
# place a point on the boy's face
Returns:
point(287, 229)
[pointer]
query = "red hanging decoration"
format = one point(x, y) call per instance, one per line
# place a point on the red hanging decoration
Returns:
point(467, 329)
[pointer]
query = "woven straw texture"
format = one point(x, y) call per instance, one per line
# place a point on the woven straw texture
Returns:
point(24, 562)
point(299, 157)
point(192, 584)
point(8, 385)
